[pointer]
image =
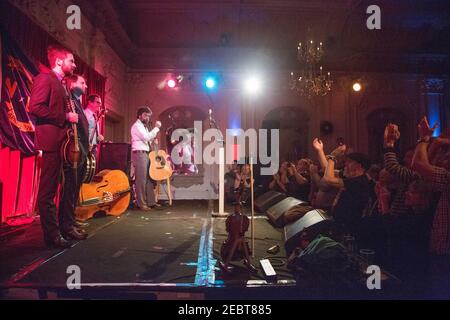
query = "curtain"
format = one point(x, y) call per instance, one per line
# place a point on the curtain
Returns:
point(19, 164)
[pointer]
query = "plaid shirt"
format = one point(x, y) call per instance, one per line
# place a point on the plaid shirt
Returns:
point(404, 175)
point(440, 230)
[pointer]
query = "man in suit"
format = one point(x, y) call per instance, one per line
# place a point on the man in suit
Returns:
point(74, 178)
point(94, 102)
point(48, 104)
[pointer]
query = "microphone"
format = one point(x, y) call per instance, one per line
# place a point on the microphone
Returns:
point(210, 117)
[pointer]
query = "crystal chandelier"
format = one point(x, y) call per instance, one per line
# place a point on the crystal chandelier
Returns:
point(311, 80)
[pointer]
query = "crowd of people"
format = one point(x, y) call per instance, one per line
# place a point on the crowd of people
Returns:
point(399, 208)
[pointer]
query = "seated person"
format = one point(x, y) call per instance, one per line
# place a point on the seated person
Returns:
point(242, 182)
point(298, 184)
point(230, 176)
point(279, 181)
point(185, 150)
point(302, 166)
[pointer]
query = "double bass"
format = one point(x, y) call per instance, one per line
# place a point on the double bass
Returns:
point(109, 192)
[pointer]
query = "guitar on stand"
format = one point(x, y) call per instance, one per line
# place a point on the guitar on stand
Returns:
point(160, 169)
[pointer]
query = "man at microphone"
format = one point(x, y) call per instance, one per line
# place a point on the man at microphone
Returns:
point(141, 139)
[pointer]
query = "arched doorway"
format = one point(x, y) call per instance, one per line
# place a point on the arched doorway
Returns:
point(293, 125)
point(181, 117)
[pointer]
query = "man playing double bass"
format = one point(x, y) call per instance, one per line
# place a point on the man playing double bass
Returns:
point(48, 104)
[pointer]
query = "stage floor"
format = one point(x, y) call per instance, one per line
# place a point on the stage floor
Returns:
point(171, 250)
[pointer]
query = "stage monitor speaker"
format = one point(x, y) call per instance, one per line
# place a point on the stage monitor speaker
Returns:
point(275, 213)
point(314, 222)
point(115, 156)
point(268, 199)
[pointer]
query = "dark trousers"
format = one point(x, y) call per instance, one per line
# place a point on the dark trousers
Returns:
point(144, 187)
point(48, 187)
point(70, 191)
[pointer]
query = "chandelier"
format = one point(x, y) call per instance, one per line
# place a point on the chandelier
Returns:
point(311, 80)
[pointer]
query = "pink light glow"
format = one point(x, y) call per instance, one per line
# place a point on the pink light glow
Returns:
point(171, 83)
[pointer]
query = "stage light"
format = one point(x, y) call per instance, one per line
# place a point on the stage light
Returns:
point(210, 83)
point(171, 83)
point(252, 85)
point(357, 87)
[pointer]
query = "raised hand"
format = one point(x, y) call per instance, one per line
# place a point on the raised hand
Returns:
point(425, 132)
point(339, 151)
point(317, 144)
point(391, 135)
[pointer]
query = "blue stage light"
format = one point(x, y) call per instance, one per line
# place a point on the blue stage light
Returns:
point(210, 83)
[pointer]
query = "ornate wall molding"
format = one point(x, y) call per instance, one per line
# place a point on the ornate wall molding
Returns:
point(433, 85)
point(135, 79)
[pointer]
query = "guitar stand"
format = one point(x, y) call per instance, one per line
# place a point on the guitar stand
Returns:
point(168, 191)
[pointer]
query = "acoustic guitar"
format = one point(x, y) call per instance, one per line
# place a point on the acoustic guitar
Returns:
point(160, 169)
point(109, 191)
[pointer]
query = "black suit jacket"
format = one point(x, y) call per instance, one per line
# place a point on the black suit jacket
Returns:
point(82, 128)
point(48, 104)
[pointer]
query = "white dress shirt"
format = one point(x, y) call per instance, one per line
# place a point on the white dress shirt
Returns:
point(141, 137)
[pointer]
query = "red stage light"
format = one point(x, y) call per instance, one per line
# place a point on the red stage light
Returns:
point(171, 83)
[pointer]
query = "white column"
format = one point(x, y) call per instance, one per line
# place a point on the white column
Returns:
point(221, 180)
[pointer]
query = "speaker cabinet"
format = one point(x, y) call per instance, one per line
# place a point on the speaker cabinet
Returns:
point(115, 156)
point(275, 213)
point(267, 200)
point(314, 222)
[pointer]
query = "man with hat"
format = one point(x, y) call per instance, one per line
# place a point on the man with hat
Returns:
point(354, 193)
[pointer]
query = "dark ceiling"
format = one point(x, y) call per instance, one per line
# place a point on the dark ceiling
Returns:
point(219, 34)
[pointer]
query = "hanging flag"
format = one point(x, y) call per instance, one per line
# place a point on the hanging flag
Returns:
point(16, 128)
